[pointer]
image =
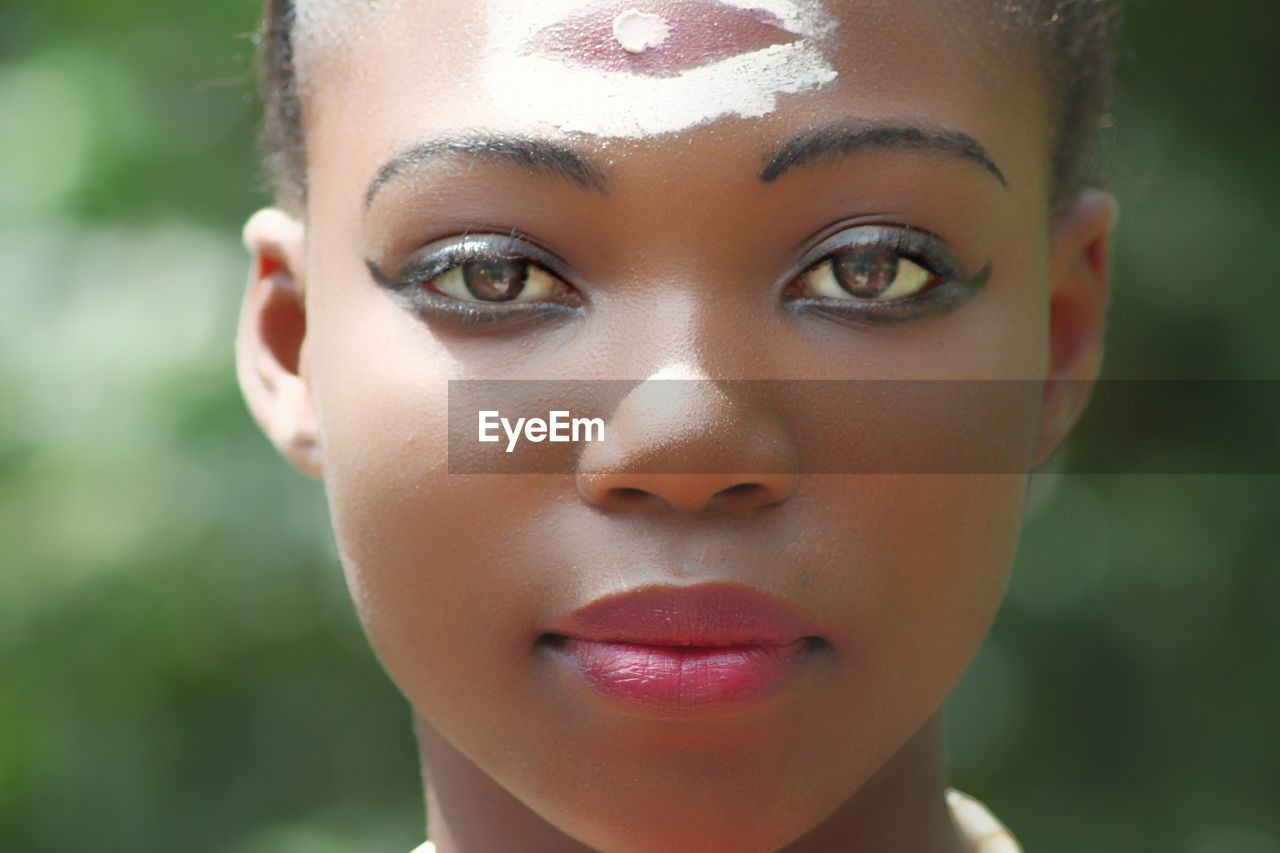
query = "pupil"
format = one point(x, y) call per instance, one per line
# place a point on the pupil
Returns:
point(866, 275)
point(495, 281)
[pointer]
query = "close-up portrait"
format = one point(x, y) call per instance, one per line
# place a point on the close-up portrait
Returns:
point(640, 426)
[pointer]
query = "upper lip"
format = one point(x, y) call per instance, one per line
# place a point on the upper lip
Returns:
point(708, 614)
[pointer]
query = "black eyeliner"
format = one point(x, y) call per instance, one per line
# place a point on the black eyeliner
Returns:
point(914, 244)
point(941, 300)
point(919, 246)
point(405, 287)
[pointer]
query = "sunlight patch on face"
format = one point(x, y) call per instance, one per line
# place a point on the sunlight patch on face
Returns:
point(679, 370)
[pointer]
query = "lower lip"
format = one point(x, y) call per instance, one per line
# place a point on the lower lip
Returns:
point(683, 678)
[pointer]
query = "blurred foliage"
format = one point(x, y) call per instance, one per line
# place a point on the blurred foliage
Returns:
point(180, 668)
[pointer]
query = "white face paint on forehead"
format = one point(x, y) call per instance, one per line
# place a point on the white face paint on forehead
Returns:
point(651, 67)
point(640, 31)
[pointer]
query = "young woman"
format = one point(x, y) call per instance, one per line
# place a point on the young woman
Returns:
point(697, 639)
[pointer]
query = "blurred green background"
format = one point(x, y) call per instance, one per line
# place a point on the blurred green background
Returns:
point(180, 668)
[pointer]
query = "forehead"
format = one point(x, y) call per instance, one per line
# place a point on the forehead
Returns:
point(657, 75)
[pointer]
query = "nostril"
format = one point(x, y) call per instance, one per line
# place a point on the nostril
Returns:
point(741, 496)
point(684, 493)
point(627, 493)
point(742, 490)
point(628, 496)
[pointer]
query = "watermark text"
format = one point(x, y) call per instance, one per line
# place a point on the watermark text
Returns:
point(559, 427)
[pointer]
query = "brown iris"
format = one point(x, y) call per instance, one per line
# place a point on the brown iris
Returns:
point(866, 275)
point(499, 280)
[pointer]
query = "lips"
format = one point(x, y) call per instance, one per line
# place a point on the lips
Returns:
point(683, 649)
point(718, 614)
point(699, 33)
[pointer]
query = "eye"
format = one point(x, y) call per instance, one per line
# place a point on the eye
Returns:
point(868, 275)
point(482, 279)
point(874, 273)
point(497, 280)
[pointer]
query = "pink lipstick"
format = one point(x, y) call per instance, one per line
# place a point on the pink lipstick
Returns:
point(692, 34)
point(684, 649)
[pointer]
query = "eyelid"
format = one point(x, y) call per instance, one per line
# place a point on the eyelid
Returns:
point(443, 255)
point(923, 247)
point(956, 284)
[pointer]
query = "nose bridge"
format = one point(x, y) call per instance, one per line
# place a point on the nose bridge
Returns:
point(694, 435)
point(690, 320)
point(700, 301)
point(689, 443)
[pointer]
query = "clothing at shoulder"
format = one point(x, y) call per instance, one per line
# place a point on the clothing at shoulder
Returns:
point(981, 829)
point(984, 832)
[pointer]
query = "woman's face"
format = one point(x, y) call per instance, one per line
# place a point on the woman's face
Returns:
point(660, 245)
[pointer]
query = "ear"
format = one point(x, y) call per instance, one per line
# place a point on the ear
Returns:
point(270, 343)
point(1079, 282)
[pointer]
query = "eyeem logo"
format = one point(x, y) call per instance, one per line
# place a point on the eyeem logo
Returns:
point(559, 427)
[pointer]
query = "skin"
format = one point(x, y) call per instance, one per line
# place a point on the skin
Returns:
point(455, 576)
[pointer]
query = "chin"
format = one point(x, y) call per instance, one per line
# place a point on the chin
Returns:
point(727, 829)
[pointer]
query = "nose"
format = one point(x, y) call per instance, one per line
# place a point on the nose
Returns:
point(691, 445)
point(685, 492)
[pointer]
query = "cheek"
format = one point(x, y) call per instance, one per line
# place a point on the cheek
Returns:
point(924, 559)
point(920, 564)
point(439, 583)
point(430, 559)
point(381, 397)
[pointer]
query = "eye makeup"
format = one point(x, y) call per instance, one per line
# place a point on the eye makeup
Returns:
point(470, 262)
point(490, 279)
point(950, 285)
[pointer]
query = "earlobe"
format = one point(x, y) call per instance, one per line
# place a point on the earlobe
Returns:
point(1080, 271)
point(271, 340)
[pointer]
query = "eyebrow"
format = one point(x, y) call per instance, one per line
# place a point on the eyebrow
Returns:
point(540, 156)
point(856, 135)
point(547, 158)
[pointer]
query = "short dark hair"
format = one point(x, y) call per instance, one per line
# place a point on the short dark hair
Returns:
point(280, 138)
point(1077, 37)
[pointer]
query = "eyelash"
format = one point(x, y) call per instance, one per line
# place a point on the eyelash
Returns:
point(949, 289)
point(951, 286)
point(409, 285)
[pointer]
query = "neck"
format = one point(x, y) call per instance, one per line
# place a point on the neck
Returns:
point(901, 807)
